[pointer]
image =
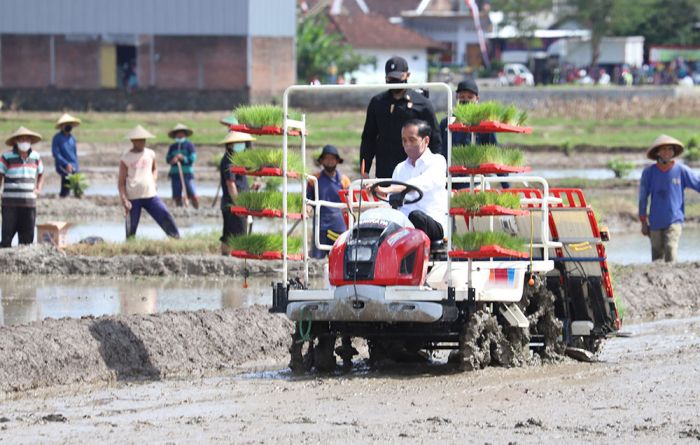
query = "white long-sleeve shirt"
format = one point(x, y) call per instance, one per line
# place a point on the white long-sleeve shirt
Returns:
point(429, 175)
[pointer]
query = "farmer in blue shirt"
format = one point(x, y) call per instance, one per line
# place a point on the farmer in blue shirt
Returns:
point(330, 182)
point(184, 153)
point(64, 151)
point(665, 182)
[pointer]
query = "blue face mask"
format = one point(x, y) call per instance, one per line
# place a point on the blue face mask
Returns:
point(180, 140)
point(239, 147)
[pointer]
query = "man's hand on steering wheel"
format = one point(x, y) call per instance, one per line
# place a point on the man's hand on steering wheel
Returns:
point(382, 189)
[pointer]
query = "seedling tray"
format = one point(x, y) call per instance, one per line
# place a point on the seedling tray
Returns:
point(489, 210)
point(486, 169)
point(266, 213)
point(489, 127)
point(265, 171)
point(264, 131)
point(488, 252)
point(270, 255)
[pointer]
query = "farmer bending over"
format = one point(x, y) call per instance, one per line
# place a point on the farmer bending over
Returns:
point(426, 171)
point(137, 185)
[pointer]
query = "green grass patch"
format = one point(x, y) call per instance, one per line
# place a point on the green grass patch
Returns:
point(78, 183)
point(620, 167)
point(258, 243)
point(474, 201)
point(201, 243)
point(263, 115)
point(258, 201)
point(475, 113)
point(471, 241)
point(475, 155)
point(257, 158)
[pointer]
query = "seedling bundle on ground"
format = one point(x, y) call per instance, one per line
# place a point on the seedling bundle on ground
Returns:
point(261, 200)
point(258, 158)
point(78, 184)
point(476, 113)
point(259, 243)
point(473, 156)
point(472, 241)
point(474, 201)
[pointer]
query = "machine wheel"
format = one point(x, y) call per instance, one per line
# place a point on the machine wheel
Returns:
point(301, 354)
point(538, 305)
point(324, 357)
point(346, 351)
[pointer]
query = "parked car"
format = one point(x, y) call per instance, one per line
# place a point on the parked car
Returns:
point(516, 74)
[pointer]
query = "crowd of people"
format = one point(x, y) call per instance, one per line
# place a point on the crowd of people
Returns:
point(401, 134)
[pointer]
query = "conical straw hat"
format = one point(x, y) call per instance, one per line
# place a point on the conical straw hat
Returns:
point(67, 119)
point(229, 120)
point(139, 133)
point(180, 127)
point(234, 136)
point(21, 131)
point(664, 140)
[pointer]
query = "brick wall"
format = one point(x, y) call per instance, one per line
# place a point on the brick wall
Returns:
point(25, 61)
point(207, 63)
point(77, 63)
point(274, 67)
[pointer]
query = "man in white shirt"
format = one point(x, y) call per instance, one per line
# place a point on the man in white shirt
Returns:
point(426, 171)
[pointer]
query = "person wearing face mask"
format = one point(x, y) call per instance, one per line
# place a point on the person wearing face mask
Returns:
point(426, 171)
point(22, 176)
point(386, 114)
point(64, 150)
point(231, 185)
point(138, 175)
point(330, 182)
point(664, 182)
point(183, 152)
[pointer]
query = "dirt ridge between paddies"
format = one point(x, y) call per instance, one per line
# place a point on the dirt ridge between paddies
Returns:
point(108, 349)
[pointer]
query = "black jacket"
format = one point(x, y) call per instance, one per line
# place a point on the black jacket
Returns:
point(381, 137)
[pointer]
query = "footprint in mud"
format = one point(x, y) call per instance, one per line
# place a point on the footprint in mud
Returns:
point(54, 418)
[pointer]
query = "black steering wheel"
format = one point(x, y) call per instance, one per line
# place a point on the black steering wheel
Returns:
point(396, 200)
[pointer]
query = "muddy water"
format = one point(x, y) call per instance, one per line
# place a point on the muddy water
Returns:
point(633, 248)
point(30, 298)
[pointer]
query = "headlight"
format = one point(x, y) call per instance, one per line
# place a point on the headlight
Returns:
point(359, 253)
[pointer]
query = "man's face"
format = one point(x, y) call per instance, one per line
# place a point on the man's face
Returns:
point(665, 152)
point(413, 144)
point(329, 162)
point(139, 144)
point(464, 97)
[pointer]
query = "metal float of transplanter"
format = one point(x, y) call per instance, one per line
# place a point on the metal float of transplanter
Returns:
point(388, 284)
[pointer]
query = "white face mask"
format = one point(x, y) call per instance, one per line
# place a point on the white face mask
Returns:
point(24, 146)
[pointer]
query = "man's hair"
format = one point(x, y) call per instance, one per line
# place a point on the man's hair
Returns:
point(423, 127)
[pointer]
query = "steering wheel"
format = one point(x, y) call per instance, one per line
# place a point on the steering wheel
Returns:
point(401, 196)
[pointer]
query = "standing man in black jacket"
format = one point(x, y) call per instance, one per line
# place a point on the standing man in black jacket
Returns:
point(386, 114)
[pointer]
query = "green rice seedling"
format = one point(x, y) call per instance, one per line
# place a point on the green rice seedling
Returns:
point(257, 243)
point(471, 241)
point(474, 155)
point(78, 184)
point(474, 201)
point(273, 184)
point(198, 243)
point(466, 113)
point(620, 167)
point(258, 201)
point(521, 119)
point(257, 116)
point(509, 115)
point(258, 158)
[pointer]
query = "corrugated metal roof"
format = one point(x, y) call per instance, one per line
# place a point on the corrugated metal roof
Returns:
point(156, 17)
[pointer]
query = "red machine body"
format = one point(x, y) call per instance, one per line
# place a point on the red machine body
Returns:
point(399, 257)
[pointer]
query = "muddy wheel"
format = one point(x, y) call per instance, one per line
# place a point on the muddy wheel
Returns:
point(301, 354)
point(378, 352)
point(538, 305)
point(324, 357)
point(346, 352)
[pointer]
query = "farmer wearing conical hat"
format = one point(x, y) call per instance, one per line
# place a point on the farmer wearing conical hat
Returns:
point(665, 182)
point(65, 154)
point(231, 185)
point(138, 175)
point(22, 175)
point(181, 157)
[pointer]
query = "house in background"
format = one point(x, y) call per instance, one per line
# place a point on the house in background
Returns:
point(207, 52)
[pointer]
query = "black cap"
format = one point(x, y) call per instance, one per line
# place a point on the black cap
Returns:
point(396, 67)
point(468, 85)
point(330, 150)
